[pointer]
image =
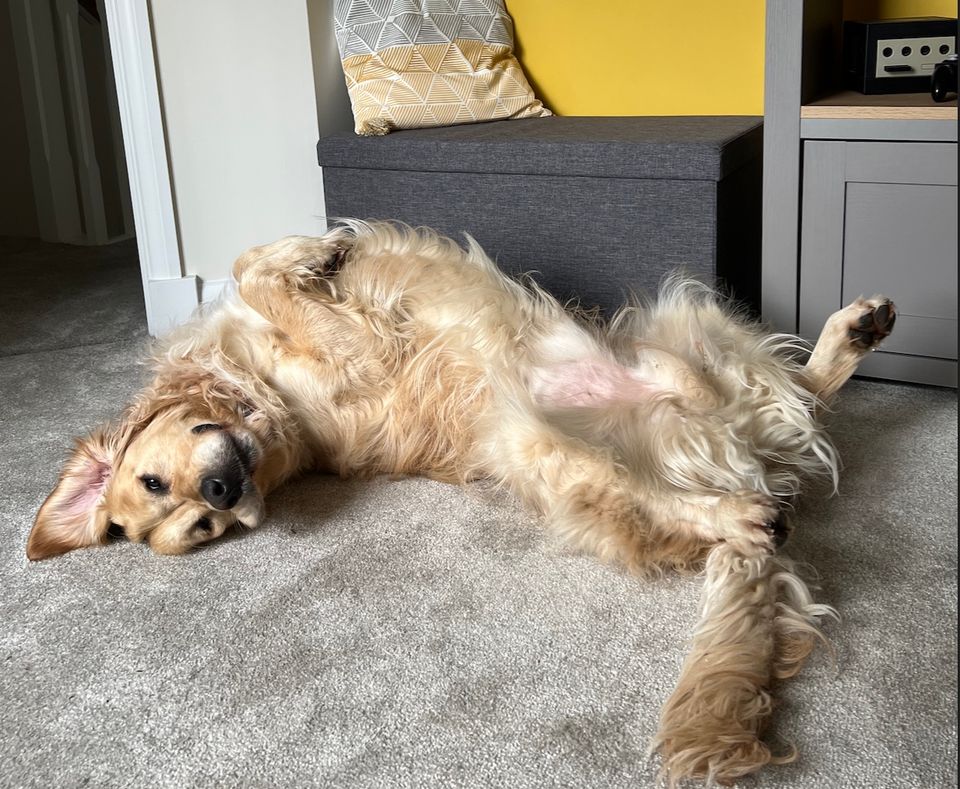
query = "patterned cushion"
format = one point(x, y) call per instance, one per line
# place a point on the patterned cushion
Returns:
point(415, 63)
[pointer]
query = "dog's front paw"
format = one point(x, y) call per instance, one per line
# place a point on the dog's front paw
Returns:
point(874, 322)
point(296, 262)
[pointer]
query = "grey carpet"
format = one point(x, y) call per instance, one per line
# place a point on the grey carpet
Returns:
point(59, 296)
point(405, 633)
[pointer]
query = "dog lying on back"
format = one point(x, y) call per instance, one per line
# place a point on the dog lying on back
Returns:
point(674, 437)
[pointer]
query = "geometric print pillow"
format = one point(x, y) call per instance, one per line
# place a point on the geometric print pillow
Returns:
point(410, 64)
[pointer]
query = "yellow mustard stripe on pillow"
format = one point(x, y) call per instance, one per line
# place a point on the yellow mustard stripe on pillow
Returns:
point(421, 85)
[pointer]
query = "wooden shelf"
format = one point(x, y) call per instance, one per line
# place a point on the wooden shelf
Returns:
point(848, 105)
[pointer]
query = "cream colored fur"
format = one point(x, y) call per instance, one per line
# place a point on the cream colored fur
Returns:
point(674, 436)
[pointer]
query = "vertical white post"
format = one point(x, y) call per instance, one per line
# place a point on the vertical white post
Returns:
point(170, 297)
point(116, 133)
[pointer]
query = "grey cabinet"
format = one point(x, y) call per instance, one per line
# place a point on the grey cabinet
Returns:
point(881, 217)
point(859, 197)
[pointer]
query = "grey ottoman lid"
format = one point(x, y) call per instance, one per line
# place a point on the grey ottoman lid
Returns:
point(701, 148)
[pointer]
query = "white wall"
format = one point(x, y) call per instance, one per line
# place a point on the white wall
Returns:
point(241, 116)
point(333, 102)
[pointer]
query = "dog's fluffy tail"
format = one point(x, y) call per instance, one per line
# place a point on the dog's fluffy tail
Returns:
point(758, 623)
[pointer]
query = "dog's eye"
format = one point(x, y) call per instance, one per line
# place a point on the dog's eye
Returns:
point(203, 524)
point(153, 484)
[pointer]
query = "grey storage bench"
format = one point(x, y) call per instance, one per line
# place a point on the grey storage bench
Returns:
point(594, 208)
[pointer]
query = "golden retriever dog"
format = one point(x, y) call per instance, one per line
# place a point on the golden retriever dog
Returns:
point(674, 437)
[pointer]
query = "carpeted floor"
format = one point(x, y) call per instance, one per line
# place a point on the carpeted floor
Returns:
point(408, 634)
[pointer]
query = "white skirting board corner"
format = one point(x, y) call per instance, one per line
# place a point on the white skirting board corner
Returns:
point(170, 302)
point(211, 290)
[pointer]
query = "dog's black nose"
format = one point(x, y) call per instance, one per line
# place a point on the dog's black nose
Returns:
point(222, 491)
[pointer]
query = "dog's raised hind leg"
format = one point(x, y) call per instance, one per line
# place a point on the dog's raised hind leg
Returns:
point(847, 336)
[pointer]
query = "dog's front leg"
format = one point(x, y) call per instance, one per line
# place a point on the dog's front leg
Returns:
point(291, 283)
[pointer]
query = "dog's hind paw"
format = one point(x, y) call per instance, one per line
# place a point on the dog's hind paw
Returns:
point(719, 762)
point(750, 521)
point(779, 529)
point(874, 323)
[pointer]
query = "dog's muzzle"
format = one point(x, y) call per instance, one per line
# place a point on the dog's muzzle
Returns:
point(229, 478)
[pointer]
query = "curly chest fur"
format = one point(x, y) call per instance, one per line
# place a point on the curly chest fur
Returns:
point(407, 411)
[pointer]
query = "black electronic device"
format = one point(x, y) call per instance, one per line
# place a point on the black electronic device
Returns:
point(896, 55)
point(943, 85)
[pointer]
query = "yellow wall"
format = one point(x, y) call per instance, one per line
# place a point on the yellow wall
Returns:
point(649, 57)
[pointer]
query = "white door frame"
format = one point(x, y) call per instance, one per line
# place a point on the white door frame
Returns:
point(169, 295)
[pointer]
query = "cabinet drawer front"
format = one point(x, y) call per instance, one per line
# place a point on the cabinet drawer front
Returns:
point(901, 240)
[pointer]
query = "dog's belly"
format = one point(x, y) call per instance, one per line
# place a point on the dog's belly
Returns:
point(588, 383)
point(572, 371)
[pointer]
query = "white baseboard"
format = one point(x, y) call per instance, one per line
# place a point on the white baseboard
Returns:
point(174, 301)
point(171, 302)
point(211, 290)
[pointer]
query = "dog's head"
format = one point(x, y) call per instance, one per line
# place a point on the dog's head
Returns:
point(174, 479)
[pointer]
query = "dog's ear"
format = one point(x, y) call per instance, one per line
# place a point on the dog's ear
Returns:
point(74, 514)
